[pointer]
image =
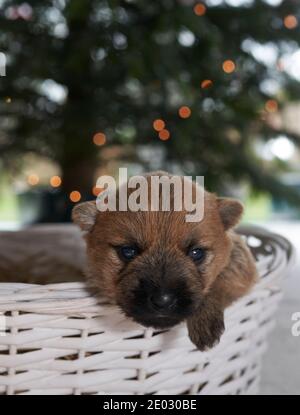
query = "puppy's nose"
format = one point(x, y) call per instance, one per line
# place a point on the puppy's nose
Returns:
point(163, 300)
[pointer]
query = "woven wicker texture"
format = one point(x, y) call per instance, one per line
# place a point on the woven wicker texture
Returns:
point(60, 340)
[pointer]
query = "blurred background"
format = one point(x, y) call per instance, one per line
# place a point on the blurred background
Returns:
point(197, 88)
point(207, 88)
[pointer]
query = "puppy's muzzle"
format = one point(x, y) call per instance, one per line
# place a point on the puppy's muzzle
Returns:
point(163, 301)
point(156, 304)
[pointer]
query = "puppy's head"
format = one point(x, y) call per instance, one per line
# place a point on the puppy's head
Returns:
point(156, 266)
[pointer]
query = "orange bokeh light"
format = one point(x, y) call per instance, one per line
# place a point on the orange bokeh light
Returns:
point(280, 65)
point(164, 134)
point(33, 179)
point(97, 190)
point(228, 66)
point(290, 21)
point(75, 196)
point(207, 83)
point(8, 100)
point(159, 125)
point(55, 181)
point(99, 139)
point(199, 9)
point(184, 112)
point(271, 105)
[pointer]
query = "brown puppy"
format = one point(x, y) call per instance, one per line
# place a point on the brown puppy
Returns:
point(160, 269)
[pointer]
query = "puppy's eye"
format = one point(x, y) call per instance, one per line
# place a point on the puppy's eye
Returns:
point(197, 254)
point(128, 252)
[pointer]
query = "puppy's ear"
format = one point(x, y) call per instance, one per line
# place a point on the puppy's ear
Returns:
point(230, 210)
point(85, 214)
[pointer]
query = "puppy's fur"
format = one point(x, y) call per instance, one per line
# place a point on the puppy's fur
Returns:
point(202, 290)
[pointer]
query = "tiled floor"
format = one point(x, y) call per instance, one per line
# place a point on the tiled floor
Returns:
point(281, 367)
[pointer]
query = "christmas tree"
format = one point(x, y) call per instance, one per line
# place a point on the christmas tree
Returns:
point(193, 78)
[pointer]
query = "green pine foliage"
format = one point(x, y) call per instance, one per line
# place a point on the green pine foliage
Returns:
point(123, 64)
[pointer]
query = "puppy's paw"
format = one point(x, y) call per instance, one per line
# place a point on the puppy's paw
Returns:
point(205, 329)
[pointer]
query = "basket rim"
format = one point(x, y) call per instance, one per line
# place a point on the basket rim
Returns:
point(25, 297)
point(282, 241)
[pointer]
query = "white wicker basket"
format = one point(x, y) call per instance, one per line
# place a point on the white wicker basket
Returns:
point(58, 340)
